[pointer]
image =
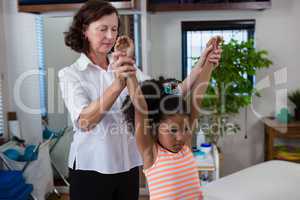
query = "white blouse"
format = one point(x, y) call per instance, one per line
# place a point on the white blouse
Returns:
point(109, 147)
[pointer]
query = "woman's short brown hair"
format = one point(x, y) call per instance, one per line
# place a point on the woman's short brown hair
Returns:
point(91, 11)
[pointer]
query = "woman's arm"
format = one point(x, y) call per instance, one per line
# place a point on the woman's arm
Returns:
point(91, 115)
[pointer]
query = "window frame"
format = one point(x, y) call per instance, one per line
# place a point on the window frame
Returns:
point(248, 24)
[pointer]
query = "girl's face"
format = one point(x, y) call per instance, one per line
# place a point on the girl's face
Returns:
point(102, 34)
point(174, 132)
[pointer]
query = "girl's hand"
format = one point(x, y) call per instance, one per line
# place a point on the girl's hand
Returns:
point(125, 44)
point(116, 55)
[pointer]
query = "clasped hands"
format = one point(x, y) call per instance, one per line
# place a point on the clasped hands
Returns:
point(122, 59)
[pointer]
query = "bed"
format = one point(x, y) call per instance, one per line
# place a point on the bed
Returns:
point(272, 180)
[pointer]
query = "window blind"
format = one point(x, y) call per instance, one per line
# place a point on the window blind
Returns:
point(1, 108)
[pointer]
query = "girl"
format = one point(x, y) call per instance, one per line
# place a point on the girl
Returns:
point(163, 126)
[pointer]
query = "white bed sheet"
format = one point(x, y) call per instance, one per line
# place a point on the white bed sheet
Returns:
point(272, 180)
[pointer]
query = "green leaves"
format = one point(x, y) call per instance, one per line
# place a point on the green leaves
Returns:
point(295, 97)
point(231, 85)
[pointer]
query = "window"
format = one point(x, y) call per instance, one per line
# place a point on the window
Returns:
point(195, 35)
point(131, 26)
point(1, 109)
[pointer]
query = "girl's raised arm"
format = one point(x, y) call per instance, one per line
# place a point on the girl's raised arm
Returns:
point(213, 55)
point(143, 136)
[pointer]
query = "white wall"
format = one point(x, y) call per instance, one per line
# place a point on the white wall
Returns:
point(277, 30)
point(57, 56)
point(21, 59)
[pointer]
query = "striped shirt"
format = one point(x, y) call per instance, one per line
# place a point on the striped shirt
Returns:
point(173, 176)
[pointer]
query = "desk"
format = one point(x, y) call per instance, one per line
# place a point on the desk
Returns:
point(275, 129)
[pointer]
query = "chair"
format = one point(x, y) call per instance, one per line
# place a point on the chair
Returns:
point(37, 172)
point(54, 137)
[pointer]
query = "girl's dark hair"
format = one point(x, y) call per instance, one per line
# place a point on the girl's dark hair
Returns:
point(160, 104)
point(90, 12)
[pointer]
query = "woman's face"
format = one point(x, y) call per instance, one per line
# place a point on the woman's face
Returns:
point(102, 34)
point(174, 132)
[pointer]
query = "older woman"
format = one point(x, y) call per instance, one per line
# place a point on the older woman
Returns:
point(103, 158)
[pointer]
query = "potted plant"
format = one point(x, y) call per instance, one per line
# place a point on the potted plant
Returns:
point(231, 88)
point(294, 97)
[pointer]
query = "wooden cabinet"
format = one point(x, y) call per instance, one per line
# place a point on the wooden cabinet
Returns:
point(275, 129)
point(190, 5)
point(38, 6)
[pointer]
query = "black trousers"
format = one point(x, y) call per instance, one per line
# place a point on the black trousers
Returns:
point(91, 185)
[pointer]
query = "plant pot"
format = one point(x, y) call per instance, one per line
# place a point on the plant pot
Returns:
point(297, 114)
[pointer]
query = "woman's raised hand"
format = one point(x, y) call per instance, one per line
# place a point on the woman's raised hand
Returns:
point(215, 55)
point(122, 66)
point(212, 52)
